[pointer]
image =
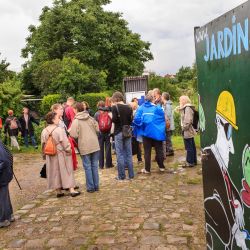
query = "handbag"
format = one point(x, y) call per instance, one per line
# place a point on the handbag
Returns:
point(126, 129)
point(43, 173)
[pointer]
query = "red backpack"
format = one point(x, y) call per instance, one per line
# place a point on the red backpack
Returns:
point(104, 122)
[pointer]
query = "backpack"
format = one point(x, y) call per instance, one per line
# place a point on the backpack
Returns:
point(104, 122)
point(13, 124)
point(1, 123)
point(195, 122)
point(50, 145)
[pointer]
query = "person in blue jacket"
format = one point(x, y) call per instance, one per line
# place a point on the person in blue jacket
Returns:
point(149, 122)
point(6, 175)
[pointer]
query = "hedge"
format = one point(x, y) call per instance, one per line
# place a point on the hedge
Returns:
point(48, 101)
point(92, 99)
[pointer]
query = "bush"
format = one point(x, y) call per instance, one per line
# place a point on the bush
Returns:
point(48, 101)
point(92, 99)
point(177, 123)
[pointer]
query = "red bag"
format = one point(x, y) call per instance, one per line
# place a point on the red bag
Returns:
point(104, 122)
point(1, 123)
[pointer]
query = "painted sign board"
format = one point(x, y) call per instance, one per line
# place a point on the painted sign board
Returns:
point(223, 66)
point(135, 86)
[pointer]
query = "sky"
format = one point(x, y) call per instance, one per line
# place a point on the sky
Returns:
point(167, 24)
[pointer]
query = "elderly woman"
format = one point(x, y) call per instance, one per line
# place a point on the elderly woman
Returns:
point(186, 110)
point(59, 167)
point(6, 175)
point(149, 122)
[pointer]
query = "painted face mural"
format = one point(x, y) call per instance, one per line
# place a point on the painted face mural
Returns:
point(224, 210)
point(245, 192)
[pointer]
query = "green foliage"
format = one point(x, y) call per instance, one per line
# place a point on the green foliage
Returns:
point(67, 77)
point(38, 131)
point(48, 101)
point(5, 74)
point(177, 123)
point(10, 97)
point(92, 99)
point(81, 29)
point(165, 85)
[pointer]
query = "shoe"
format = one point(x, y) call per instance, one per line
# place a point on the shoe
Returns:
point(170, 153)
point(144, 171)
point(5, 223)
point(67, 189)
point(162, 169)
point(60, 195)
point(74, 194)
point(36, 147)
point(12, 218)
point(110, 166)
point(119, 179)
point(91, 191)
point(101, 167)
point(97, 189)
point(186, 165)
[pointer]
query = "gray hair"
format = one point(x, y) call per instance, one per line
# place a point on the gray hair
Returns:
point(166, 96)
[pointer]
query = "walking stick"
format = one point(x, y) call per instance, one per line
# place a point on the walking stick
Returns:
point(17, 181)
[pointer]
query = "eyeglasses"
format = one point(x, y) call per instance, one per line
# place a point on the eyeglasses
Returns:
point(228, 129)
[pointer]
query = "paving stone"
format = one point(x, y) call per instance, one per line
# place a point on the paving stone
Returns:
point(152, 240)
point(56, 229)
point(79, 241)
point(103, 240)
point(86, 228)
point(106, 227)
point(174, 216)
point(59, 242)
point(151, 226)
point(35, 243)
point(41, 219)
point(130, 226)
point(168, 197)
point(28, 207)
point(17, 243)
point(176, 239)
point(70, 213)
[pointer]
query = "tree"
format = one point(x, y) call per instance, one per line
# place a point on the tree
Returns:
point(185, 74)
point(81, 29)
point(10, 96)
point(67, 77)
point(4, 72)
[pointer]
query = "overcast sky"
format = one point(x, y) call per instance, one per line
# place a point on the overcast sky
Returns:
point(166, 24)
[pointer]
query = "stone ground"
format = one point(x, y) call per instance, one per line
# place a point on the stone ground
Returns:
point(157, 211)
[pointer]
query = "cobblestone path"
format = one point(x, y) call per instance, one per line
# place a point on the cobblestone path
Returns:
point(157, 211)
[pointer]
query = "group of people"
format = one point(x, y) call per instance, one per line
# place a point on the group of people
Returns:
point(24, 125)
point(125, 128)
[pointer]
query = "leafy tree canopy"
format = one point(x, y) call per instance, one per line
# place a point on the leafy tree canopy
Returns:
point(4, 72)
point(81, 29)
point(67, 77)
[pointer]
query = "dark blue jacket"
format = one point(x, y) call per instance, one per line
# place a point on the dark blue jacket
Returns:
point(6, 165)
point(150, 122)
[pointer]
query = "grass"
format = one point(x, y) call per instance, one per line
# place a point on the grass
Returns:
point(179, 144)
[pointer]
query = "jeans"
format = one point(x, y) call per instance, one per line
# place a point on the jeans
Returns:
point(105, 149)
point(26, 139)
point(169, 145)
point(191, 157)
point(124, 156)
point(148, 143)
point(90, 164)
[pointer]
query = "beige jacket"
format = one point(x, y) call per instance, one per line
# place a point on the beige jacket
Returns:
point(187, 115)
point(84, 128)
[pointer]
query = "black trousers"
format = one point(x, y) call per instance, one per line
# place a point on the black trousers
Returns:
point(105, 149)
point(148, 143)
point(5, 204)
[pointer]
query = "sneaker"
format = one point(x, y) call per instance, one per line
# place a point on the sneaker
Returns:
point(12, 218)
point(162, 169)
point(144, 171)
point(119, 179)
point(5, 223)
point(170, 153)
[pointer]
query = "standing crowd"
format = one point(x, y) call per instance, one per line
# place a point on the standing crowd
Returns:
point(71, 128)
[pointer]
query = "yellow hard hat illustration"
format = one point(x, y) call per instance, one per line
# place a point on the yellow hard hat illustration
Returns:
point(226, 108)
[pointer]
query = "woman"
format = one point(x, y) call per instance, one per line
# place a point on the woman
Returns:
point(87, 108)
point(104, 119)
point(186, 110)
point(12, 127)
point(58, 109)
point(6, 175)
point(84, 128)
point(59, 167)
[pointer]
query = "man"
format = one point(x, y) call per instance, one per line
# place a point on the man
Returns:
point(224, 212)
point(157, 97)
point(149, 123)
point(27, 129)
point(6, 175)
point(69, 113)
point(169, 116)
point(122, 118)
